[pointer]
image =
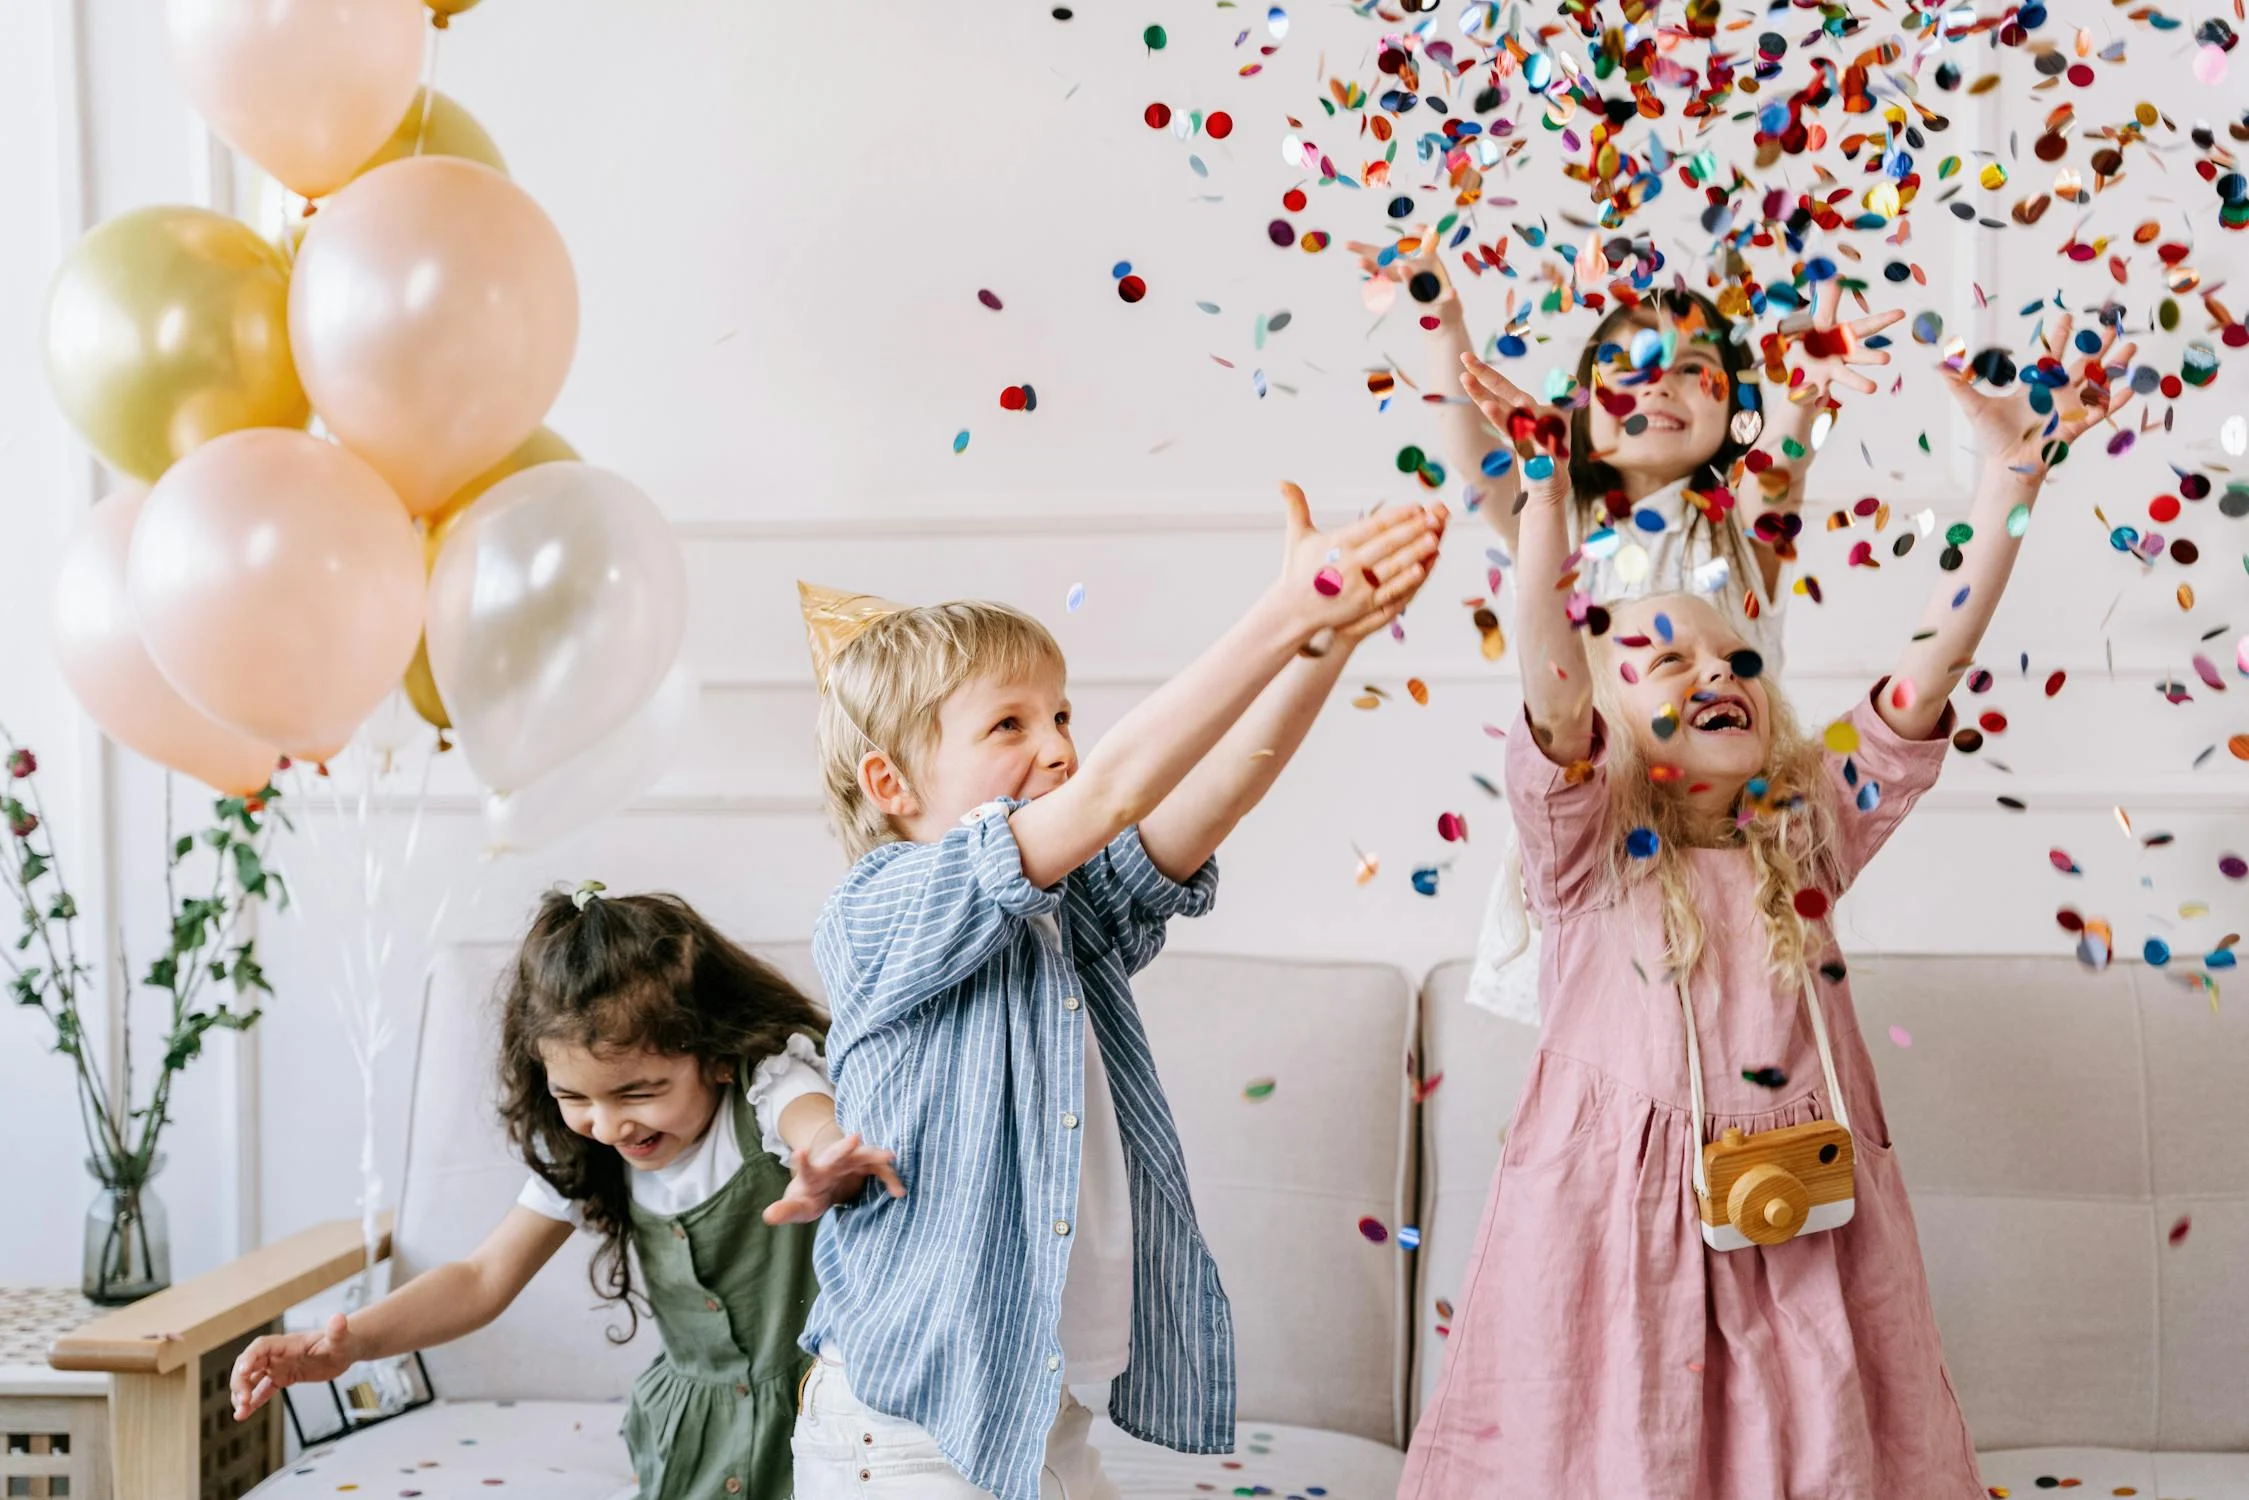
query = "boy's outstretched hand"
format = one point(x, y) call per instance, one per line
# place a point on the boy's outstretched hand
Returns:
point(1357, 578)
point(831, 1173)
point(287, 1359)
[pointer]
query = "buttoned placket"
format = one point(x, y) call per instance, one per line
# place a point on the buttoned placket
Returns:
point(1052, 936)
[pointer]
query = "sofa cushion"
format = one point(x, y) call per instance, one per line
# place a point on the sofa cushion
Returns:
point(451, 1450)
point(1286, 1463)
point(1283, 1177)
point(2025, 1472)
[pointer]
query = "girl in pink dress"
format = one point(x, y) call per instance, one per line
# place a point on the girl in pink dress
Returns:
point(1681, 836)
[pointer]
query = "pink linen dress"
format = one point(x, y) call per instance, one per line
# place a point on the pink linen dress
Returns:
point(1601, 1351)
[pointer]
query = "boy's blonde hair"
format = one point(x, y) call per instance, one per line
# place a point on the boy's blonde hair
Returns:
point(1790, 832)
point(884, 689)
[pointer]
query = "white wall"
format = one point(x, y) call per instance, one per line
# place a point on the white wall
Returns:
point(780, 224)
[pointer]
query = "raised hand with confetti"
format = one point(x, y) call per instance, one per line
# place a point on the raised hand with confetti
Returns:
point(1809, 358)
point(2011, 430)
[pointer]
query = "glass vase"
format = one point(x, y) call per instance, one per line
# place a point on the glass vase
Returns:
point(128, 1242)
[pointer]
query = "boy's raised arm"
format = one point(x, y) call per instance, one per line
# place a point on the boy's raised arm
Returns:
point(1328, 581)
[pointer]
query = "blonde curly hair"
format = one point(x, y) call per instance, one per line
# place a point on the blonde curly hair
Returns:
point(1789, 830)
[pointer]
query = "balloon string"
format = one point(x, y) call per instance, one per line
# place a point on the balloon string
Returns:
point(429, 83)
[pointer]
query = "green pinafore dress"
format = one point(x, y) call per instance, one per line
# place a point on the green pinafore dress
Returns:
point(711, 1418)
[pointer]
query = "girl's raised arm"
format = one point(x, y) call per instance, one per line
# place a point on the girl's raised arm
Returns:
point(2018, 446)
point(1557, 678)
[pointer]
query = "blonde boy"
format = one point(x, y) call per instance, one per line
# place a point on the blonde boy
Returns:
point(978, 961)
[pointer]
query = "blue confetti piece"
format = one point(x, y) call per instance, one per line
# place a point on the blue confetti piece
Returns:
point(1076, 598)
point(1496, 463)
point(960, 441)
point(1663, 626)
point(1870, 796)
point(1642, 843)
point(1408, 1237)
point(2156, 951)
point(1425, 881)
point(1960, 598)
point(1120, 270)
point(1540, 467)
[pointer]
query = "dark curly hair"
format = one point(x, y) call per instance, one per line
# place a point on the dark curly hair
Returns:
point(625, 973)
point(1593, 482)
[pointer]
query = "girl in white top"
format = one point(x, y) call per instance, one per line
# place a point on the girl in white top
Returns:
point(664, 1088)
point(1667, 445)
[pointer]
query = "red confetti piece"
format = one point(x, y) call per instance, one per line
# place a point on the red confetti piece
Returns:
point(2062, 862)
point(1810, 904)
point(1157, 115)
point(2179, 1230)
point(1452, 828)
point(1219, 126)
point(1131, 288)
point(2054, 683)
point(989, 299)
point(1371, 1227)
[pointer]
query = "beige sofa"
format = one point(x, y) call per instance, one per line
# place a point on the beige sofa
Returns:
point(2054, 1127)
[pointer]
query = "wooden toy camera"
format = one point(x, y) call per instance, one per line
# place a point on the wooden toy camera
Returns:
point(1768, 1188)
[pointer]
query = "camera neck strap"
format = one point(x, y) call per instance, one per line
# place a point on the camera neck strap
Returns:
point(1810, 992)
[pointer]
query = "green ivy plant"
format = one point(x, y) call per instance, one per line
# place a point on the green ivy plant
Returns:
point(208, 972)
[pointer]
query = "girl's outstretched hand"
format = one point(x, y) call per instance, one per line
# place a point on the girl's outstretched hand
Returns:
point(832, 1173)
point(279, 1360)
point(1823, 348)
point(1402, 268)
point(2012, 433)
point(1531, 426)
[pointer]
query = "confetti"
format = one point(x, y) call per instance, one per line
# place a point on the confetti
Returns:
point(1900, 1037)
point(1075, 599)
point(1770, 1078)
point(1373, 1230)
point(2179, 1231)
point(989, 299)
point(1452, 828)
point(960, 441)
point(1258, 1088)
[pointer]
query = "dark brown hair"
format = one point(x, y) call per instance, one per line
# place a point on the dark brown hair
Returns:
point(625, 973)
point(1592, 481)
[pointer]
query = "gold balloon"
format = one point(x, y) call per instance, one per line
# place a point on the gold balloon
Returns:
point(449, 131)
point(165, 328)
point(542, 447)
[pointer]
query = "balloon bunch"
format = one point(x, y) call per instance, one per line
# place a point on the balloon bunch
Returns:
point(257, 591)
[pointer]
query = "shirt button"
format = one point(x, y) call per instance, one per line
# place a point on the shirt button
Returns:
point(1069, 1002)
point(1054, 1361)
point(733, 1485)
point(1069, 1122)
point(1061, 1226)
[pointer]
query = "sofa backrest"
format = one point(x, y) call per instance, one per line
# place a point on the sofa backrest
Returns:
point(2055, 1130)
point(1281, 1179)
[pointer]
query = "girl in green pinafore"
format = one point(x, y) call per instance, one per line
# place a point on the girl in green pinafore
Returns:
point(666, 1089)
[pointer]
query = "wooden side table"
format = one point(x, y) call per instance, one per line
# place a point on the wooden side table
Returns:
point(54, 1424)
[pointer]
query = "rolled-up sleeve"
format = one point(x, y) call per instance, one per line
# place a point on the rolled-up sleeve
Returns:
point(1136, 900)
point(913, 921)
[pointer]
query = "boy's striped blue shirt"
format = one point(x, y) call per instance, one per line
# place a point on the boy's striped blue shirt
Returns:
point(958, 1041)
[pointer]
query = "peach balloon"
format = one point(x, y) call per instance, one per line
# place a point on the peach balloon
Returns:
point(433, 314)
point(307, 89)
point(98, 644)
point(279, 586)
